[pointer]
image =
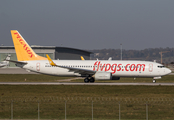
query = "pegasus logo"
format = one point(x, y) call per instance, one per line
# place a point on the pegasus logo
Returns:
point(118, 67)
point(27, 49)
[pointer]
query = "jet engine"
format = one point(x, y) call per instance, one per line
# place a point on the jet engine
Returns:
point(105, 76)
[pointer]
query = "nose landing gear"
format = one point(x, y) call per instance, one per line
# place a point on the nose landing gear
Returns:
point(154, 81)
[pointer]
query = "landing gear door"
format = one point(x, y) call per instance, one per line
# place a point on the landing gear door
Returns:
point(150, 67)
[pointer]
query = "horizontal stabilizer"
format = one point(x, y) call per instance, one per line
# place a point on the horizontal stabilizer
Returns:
point(19, 62)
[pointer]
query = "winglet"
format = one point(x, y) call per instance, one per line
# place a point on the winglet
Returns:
point(82, 58)
point(50, 61)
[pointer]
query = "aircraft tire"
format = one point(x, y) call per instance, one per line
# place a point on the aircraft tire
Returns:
point(91, 80)
point(86, 80)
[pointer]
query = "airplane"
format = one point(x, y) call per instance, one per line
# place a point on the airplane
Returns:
point(91, 70)
point(5, 62)
point(110, 58)
point(82, 58)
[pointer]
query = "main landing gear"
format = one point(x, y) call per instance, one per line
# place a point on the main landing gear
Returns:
point(89, 79)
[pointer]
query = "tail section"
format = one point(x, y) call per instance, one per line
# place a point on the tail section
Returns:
point(82, 58)
point(23, 50)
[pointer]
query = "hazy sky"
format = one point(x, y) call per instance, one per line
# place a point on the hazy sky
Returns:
point(89, 24)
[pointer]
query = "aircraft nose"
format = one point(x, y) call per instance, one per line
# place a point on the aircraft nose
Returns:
point(168, 71)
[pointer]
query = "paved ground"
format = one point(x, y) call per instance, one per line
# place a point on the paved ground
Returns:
point(61, 83)
point(15, 71)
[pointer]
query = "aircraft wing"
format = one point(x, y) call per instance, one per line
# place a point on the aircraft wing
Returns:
point(78, 70)
point(71, 69)
point(2, 64)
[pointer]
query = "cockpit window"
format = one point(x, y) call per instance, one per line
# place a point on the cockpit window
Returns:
point(160, 66)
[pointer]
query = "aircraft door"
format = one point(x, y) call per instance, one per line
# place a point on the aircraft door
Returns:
point(150, 67)
point(38, 66)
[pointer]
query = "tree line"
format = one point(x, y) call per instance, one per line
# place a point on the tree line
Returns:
point(149, 54)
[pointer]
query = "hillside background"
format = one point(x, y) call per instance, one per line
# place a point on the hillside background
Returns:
point(150, 54)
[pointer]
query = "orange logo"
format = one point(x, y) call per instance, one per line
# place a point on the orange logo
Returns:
point(27, 49)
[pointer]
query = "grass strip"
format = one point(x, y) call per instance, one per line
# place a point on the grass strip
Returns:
point(81, 109)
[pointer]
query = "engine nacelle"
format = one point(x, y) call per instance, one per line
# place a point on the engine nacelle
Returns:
point(103, 76)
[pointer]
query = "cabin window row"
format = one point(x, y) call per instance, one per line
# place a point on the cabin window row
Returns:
point(75, 66)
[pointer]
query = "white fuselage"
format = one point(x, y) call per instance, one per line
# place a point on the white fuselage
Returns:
point(118, 68)
point(3, 63)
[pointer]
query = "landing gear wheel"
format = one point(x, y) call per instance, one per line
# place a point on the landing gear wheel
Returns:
point(154, 81)
point(86, 80)
point(91, 80)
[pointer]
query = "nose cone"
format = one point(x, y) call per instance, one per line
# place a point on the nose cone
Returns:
point(168, 71)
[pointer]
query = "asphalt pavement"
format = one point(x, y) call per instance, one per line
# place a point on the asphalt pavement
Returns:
point(70, 83)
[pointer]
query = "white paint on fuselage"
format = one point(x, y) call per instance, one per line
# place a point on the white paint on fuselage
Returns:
point(125, 69)
point(3, 63)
